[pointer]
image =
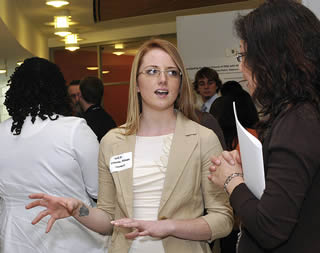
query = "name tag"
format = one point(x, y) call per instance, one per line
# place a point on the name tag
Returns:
point(120, 162)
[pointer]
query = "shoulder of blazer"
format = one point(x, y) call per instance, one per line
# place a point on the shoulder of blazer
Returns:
point(191, 127)
point(115, 136)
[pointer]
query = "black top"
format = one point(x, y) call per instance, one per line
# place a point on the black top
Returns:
point(207, 120)
point(287, 218)
point(99, 120)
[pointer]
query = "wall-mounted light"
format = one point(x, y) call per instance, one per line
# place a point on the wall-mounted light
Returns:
point(57, 3)
point(71, 42)
point(3, 71)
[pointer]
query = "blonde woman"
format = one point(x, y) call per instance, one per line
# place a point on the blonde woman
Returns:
point(153, 171)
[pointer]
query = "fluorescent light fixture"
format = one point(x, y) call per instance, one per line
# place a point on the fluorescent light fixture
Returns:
point(118, 46)
point(118, 53)
point(3, 71)
point(57, 3)
point(92, 68)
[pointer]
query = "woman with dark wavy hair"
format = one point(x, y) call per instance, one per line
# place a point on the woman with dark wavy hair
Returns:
point(42, 150)
point(280, 58)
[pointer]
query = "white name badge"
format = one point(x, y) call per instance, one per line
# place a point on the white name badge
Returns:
point(120, 162)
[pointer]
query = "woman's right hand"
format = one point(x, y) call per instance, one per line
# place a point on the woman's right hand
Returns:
point(56, 207)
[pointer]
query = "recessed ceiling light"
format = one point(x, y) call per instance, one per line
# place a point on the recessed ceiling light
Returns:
point(57, 3)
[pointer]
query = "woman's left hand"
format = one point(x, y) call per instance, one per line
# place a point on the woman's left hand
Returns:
point(158, 229)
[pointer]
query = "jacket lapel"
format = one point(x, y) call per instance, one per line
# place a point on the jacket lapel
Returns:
point(125, 176)
point(183, 143)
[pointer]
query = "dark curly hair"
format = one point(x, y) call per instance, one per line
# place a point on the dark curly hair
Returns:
point(209, 73)
point(36, 88)
point(282, 49)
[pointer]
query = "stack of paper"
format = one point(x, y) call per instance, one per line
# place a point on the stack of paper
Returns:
point(252, 159)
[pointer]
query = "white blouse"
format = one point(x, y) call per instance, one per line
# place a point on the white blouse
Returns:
point(150, 165)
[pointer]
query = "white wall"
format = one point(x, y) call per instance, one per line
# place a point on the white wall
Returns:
point(11, 65)
point(209, 40)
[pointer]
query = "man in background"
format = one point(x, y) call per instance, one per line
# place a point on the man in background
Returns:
point(207, 84)
point(74, 93)
point(91, 92)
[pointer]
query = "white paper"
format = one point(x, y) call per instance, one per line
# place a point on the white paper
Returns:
point(252, 159)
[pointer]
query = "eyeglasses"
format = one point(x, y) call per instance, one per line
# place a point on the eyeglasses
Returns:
point(239, 56)
point(155, 72)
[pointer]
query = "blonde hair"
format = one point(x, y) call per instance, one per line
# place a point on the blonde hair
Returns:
point(186, 99)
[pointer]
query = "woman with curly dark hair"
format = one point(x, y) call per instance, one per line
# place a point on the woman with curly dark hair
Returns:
point(43, 150)
point(280, 58)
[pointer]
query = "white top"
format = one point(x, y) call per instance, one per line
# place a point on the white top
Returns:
point(207, 105)
point(149, 170)
point(57, 157)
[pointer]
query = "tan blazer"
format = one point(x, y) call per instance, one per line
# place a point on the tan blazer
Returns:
point(187, 192)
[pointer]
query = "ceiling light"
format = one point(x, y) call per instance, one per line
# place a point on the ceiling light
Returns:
point(61, 21)
point(118, 53)
point(71, 42)
point(118, 46)
point(105, 71)
point(62, 32)
point(72, 48)
point(19, 62)
point(3, 67)
point(57, 3)
point(92, 68)
point(61, 25)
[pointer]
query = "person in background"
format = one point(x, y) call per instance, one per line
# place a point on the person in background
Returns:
point(279, 57)
point(42, 150)
point(74, 93)
point(91, 93)
point(222, 110)
point(153, 180)
point(207, 84)
point(209, 121)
